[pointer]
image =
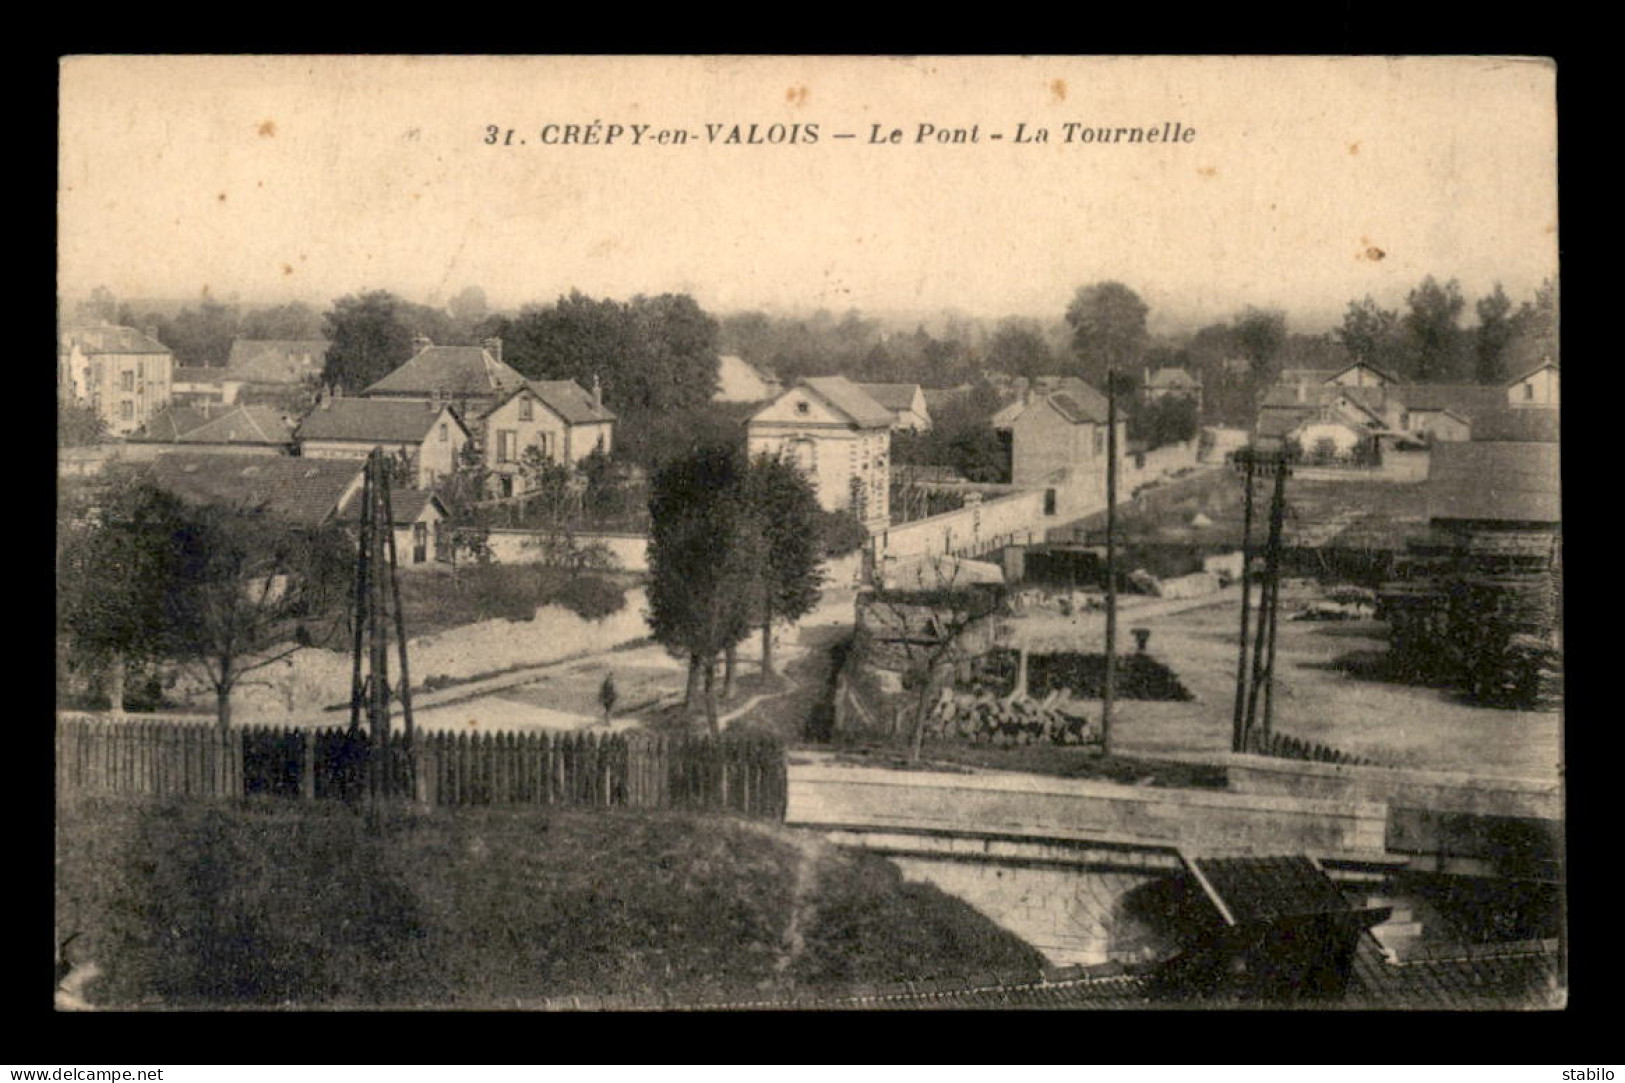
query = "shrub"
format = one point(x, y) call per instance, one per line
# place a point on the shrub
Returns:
point(589, 597)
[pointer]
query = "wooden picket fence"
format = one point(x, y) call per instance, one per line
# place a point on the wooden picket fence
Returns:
point(630, 769)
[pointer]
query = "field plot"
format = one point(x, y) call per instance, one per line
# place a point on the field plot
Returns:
point(1323, 693)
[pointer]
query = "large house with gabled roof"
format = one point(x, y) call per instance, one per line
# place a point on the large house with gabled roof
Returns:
point(472, 379)
point(839, 437)
point(556, 417)
point(427, 435)
point(124, 375)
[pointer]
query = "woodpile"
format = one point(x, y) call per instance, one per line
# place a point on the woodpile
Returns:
point(1021, 720)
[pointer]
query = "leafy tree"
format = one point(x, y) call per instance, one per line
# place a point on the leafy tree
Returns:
point(241, 591)
point(101, 305)
point(78, 425)
point(1167, 420)
point(465, 532)
point(607, 696)
point(1018, 348)
point(1430, 326)
point(1534, 331)
point(1493, 336)
point(1108, 328)
point(1372, 335)
point(111, 576)
point(469, 306)
point(369, 337)
point(202, 336)
point(784, 515)
point(1261, 334)
point(703, 567)
point(652, 354)
point(296, 321)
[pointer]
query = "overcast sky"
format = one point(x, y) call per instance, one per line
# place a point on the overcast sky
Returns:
point(1308, 182)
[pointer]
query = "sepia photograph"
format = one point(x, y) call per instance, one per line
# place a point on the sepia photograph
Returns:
point(808, 533)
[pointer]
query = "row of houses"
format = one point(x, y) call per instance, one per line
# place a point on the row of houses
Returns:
point(1363, 407)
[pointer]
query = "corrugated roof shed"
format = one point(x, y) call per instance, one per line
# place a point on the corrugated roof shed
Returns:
point(304, 492)
point(449, 370)
point(1495, 481)
point(382, 421)
point(850, 399)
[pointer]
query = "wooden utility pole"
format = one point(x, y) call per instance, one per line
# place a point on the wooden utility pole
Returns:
point(1108, 692)
point(1269, 598)
point(377, 593)
point(1277, 522)
point(1238, 730)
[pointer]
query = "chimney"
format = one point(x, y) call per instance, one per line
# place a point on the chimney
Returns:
point(597, 392)
point(420, 343)
point(436, 397)
point(493, 346)
point(325, 400)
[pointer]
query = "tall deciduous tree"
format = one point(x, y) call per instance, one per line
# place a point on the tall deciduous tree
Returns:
point(1261, 333)
point(369, 337)
point(784, 514)
point(1108, 328)
point(1371, 335)
point(1018, 348)
point(703, 573)
point(1492, 336)
point(296, 321)
point(1431, 327)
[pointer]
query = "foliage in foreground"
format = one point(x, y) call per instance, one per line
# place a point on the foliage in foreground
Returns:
point(189, 904)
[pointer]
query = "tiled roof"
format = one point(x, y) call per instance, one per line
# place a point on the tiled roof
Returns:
point(847, 397)
point(1309, 376)
point(564, 397)
point(306, 492)
point(243, 425)
point(201, 375)
point(1465, 400)
point(1276, 422)
point(1504, 976)
point(893, 397)
point(1522, 424)
point(1525, 375)
point(1495, 480)
point(938, 397)
point(169, 423)
point(383, 421)
point(1254, 889)
point(1078, 412)
point(276, 361)
point(405, 506)
point(450, 370)
point(1384, 373)
point(109, 339)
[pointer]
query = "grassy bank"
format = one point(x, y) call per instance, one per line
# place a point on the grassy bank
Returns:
point(271, 903)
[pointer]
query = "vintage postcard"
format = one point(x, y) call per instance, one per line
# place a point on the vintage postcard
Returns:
point(721, 532)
